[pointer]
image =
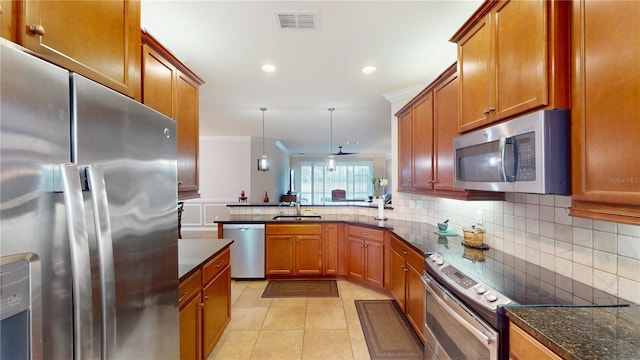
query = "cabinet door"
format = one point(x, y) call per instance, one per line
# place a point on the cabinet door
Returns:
point(415, 298)
point(474, 67)
point(374, 263)
point(521, 56)
point(405, 144)
point(398, 274)
point(191, 330)
point(330, 249)
point(158, 82)
point(186, 117)
point(604, 114)
point(279, 252)
point(446, 112)
point(423, 143)
point(217, 309)
point(356, 258)
point(308, 254)
point(97, 39)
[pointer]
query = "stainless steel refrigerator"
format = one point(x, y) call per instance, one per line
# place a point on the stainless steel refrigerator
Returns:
point(88, 219)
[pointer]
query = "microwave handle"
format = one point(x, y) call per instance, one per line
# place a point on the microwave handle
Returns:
point(502, 147)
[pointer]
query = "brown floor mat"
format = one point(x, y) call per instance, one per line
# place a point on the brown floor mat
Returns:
point(300, 288)
point(387, 332)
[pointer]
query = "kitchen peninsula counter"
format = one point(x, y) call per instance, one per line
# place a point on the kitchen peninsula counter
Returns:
point(582, 333)
point(192, 253)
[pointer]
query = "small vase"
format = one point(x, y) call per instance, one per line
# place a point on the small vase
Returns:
point(380, 209)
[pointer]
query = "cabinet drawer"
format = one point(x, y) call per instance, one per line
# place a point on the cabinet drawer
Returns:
point(413, 257)
point(287, 229)
point(215, 266)
point(369, 234)
point(189, 287)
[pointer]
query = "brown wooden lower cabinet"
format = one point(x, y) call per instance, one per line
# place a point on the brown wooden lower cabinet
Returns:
point(366, 255)
point(205, 307)
point(524, 346)
point(293, 249)
point(407, 267)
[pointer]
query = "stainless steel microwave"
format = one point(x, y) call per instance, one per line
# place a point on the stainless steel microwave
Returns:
point(529, 154)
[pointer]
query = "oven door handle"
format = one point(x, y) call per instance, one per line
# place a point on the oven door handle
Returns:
point(443, 298)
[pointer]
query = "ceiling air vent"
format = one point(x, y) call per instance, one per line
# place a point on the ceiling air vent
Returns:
point(297, 20)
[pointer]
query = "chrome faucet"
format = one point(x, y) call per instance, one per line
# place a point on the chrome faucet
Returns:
point(298, 208)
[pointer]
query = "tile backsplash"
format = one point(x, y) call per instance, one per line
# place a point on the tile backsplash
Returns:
point(538, 228)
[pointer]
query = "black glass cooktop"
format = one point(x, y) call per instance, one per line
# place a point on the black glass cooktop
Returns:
point(523, 282)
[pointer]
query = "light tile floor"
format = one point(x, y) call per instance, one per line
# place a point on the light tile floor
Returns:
point(294, 328)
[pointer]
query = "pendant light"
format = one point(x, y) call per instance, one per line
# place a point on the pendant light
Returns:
point(331, 161)
point(263, 160)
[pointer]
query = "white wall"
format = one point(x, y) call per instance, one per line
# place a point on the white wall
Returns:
point(223, 158)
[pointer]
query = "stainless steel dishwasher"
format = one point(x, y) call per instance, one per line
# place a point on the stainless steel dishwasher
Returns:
point(247, 250)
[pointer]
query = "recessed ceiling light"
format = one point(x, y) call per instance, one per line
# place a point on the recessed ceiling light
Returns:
point(368, 69)
point(268, 68)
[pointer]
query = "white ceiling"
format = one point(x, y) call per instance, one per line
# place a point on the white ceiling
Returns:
point(226, 42)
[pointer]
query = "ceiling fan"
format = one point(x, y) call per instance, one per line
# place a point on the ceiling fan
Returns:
point(340, 152)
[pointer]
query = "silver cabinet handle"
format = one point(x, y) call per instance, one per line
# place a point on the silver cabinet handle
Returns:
point(95, 178)
point(182, 296)
point(36, 29)
point(80, 261)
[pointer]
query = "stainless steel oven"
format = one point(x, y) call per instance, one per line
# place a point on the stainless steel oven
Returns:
point(451, 329)
point(460, 320)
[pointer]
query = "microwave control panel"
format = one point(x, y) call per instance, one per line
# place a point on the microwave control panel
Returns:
point(526, 156)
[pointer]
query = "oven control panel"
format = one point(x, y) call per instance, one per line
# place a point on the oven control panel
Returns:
point(464, 284)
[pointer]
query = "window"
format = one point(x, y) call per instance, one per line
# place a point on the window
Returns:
point(316, 182)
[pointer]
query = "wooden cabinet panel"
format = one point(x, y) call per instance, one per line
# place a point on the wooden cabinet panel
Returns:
point(474, 67)
point(397, 279)
point(422, 133)
point(405, 156)
point(523, 346)
point(279, 254)
point(356, 258)
point(446, 113)
point(189, 288)
point(308, 255)
point(216, 312)
point(330, 249)
point(414, 307)
point(604, 114)
point(173, 89)
point(407, 267)
point(512, 58)
point(521, 49)
point(187, 125)
point(97, 39)
point(191, 329)
point(159, 81)
point(374, 263)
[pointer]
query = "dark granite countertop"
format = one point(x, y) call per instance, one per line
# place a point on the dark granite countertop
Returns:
point(581, 333)
point(194, 252)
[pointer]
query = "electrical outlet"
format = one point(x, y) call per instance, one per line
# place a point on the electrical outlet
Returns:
point(479, 216)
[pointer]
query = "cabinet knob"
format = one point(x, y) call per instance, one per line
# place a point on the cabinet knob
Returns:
point(206, 297)
point(405, 269)
point(201, 304)
point(36, 29)
point(491, 109)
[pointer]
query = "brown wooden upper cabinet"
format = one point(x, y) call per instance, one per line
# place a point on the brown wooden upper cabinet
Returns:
point(426, 128)
point(604, 111)
point(97, 39)
point(171, 88)
point(512, 58)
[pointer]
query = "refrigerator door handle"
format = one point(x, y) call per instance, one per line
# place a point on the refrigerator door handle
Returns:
point(80, 261)
point(97, 188)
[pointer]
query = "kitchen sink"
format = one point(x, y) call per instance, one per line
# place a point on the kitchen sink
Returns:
point(296, 217)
